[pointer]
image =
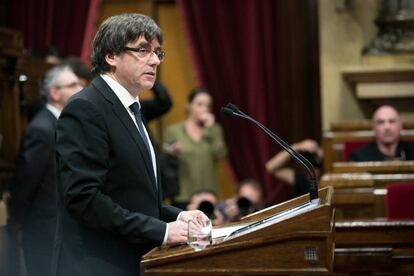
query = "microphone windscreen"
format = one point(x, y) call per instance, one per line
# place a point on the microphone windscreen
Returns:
point(227, 111)
point(232, 107)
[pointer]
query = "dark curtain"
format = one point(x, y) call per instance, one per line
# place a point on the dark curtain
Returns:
point(263, 57)
point(46, 23)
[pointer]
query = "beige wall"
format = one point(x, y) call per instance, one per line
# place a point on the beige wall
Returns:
point(343, 34)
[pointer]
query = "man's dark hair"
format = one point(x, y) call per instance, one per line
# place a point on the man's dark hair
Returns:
point(116, 32)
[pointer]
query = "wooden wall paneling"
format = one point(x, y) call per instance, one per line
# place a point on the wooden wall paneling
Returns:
point(11, 46)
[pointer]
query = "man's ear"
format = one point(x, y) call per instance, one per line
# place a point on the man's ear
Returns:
point(110, 59)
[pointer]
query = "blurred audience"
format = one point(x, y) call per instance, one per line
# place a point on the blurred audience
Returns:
point(53, 56)
point(387, 126)
point(151, 109)
point(199, 144)
point(278, 167)
point(206, 201)
point(249, 199)
point(158, 105)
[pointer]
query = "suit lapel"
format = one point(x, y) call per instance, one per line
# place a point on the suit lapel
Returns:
point(120, 111)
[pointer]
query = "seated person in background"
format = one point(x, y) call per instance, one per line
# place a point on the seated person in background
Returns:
point(198, 143)
point(276, 165)
point(249, 199)
point(206, 201)
point(387, 126)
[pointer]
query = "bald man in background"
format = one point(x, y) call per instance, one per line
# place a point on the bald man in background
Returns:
point(387, 126)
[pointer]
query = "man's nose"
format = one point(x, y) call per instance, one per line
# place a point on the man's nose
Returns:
point(154, 59)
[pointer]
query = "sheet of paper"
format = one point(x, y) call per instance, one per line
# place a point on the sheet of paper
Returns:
point(224, 231)
point(286, 214)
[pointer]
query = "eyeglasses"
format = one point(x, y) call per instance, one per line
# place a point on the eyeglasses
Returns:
point(145, 52)
point(71, 85)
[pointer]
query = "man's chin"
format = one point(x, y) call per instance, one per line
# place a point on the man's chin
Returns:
point(389, 142)
point(146, 86)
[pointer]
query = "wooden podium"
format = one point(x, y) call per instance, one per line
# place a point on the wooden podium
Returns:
point(297, 240)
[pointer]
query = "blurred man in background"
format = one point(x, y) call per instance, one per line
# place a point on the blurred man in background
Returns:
point(33, 193)
point(387, 126)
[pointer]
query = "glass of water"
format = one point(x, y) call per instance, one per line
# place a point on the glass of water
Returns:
point(199, 233)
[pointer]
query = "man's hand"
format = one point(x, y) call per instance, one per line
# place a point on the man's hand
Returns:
point(177, 232)
point(306, 145)
point(185, 216)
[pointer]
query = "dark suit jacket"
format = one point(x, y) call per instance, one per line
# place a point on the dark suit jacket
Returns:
point(109, 204)
point(370, 152)
point(33, 202)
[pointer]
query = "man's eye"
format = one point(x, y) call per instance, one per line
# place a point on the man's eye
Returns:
point(143, 50)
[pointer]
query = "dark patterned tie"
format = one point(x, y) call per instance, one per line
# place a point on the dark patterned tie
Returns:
point(135, 109)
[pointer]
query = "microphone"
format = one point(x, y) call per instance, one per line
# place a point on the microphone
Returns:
point(233, 110)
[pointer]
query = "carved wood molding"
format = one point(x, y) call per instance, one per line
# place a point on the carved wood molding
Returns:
point(378, 74)
point(381, 81)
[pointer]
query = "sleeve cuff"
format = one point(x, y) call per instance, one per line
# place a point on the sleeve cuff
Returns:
point(164, 242)
point(179, 215)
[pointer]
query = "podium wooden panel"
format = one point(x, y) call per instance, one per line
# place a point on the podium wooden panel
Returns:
point(361, 195)
point(374, 247)
point(301, 244)
point(374, 167)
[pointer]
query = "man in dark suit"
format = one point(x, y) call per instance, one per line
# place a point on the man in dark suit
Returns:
point(33, 193)
point(110, 210)
point(387, 126)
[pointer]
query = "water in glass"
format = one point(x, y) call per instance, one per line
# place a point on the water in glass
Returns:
point(199, 233)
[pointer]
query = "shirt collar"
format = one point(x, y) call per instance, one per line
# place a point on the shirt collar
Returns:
point(53, 110)
point(123, 95)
